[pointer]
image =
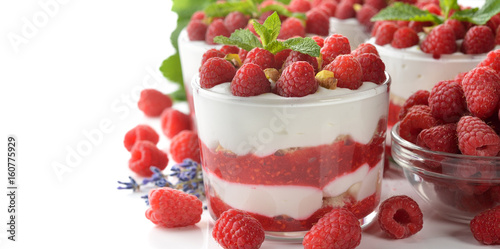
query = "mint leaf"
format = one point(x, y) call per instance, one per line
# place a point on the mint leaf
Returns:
point(247, 7)
point(171, 69)
point(275, 46)
point(448, 5)
point(304, 45)
point(269, 30)
point(479, 16)
point(406, 12)
point(242, 38)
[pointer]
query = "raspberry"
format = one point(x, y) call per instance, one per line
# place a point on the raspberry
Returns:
point(280, 57)
point(235, 20)
point(237, 229)
point(185, 145)
point(400, 217)
point(211, 53)
point(418, 118)
point(385, 33)
point(338, 229)
point(140, 133)
point(228, 49)
point(298, 56)
point(441, 40)
point(173, 208)
point(460, 77)
point(216, 28)
point(198, 15)
point(345, 10)
point(329, 7)
point(485, 226)
point(433, 8)
point(145, 154)
point(373, 68)
point(317, 22)
point(242, 54)
point(364, 48)
point(481, 87)
point(335, 45)
point(377, 25)
point(420, 97)
point(494, 22)
point(347, 71)
point(417, 26)
point(260, 57)
point(405, 37)
point(299, 6)
point(497, 36)
point(152, 102)
point(251, 27)
point(478, 40)
point(292, 27)
point(457, 26)
point(476, 138)
point(447, 101)
point(196, 30)
point(377, 4)
point(492, 60)
point(250, 80)
point(439, 138)
point(319, 40)
point(297, 80)
point(364, 15)
point(173, 122)
point(216, 71)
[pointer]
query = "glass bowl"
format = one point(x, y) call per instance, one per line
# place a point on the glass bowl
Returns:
point(457, 187)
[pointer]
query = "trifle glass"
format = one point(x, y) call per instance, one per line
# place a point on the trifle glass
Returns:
point(289, 161)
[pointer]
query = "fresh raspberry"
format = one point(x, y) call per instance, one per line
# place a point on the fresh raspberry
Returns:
point(329, 7)
point(198, 15)
point(402, 23)
point(439, 138)
point(420, 97)
point(216, 28)
point(228, 49)
point(417, 26)
point(297, 80)
point(492, 60)
point(433, 8)
point(280, 57)
point(216, 71)
point(377, 25)
point(460, 77)
point(140, 133)
point(185, 145)
point(364, 48)
point(152, 102)
point(319, 40)
point(174, 121)
point(235, 20)
point(478, 40)
point(317, 22)
point(405, 37)
point(377, 4)
point(242, 54)
point(292, 27)
point(476, 138)
point(457, 26)
point(494, 22)
point(373, 68)
point(211, 53)
point(237, 229)
point(497, 36)
point(250, 80)
point(145, 154)
point(173, 208)
point(196, 30)
point(335, 45)
point(441, 40)
point(385, 33)
point(447, 101)
point(481, 87)
point(365, 14)
point(298, 56)
point(299, 6)
point(338, 229)
point(485, 226)
point(400, 217)
point(418, 118)
point(347, 71)
point(252, 28)
point(345, 10)
point(260, 57)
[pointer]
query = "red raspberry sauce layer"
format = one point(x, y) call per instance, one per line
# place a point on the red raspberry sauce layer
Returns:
point(309, 166)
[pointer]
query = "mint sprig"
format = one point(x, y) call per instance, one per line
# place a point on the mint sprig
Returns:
point(400, 11)
point(268, 32)
point(479, 16)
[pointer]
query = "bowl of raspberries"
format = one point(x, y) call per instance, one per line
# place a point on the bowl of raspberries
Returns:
point(448, 144)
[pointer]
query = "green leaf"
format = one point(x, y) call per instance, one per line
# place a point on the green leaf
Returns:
point(270, 30)
point(406, 12)
point(280, 9)
point(171, 69)
point(448, 5)
point(275, 46)
point(242, 38)
point(247, 7)
point(479, 16)
point(304, 45)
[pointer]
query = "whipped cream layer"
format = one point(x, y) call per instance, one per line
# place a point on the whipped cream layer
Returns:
point(350, 28)
point(298, 202)
point(264, 124)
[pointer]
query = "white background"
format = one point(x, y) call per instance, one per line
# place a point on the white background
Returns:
point(69, 89)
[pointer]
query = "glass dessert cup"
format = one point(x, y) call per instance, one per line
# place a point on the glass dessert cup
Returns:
point(447, 181)
point(350, 28)
point(289, 161)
